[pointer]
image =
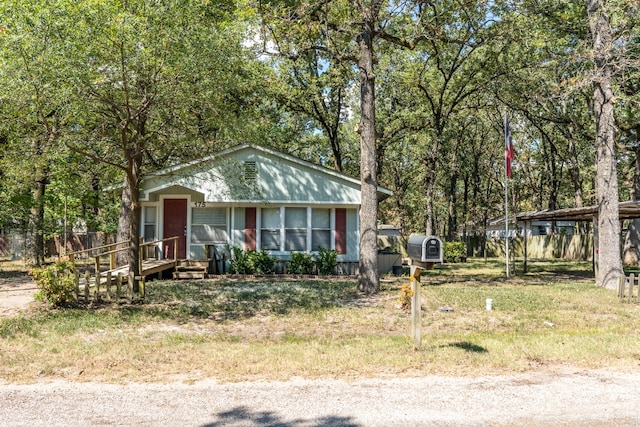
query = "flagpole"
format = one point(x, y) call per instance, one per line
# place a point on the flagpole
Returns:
point(506, 193)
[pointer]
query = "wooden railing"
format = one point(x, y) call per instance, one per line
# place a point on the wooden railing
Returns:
point(86, 253)
point(122, 281)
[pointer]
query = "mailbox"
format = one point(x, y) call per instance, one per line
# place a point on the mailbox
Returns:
point(424, 248)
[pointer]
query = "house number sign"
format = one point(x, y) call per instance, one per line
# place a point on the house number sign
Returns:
point(199, 204)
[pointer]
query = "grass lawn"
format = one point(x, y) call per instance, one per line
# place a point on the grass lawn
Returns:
point(266, 330)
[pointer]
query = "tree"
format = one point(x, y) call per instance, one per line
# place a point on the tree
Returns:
point(608, 243)
point(34, 110)
point(154, 84)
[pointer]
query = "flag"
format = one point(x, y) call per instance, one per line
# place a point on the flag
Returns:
point(509, 154)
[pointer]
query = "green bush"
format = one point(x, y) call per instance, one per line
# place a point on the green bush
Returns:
point(261, 262)
point(57, 283)
point(239, 262)
point(326, 260)
point(301, 263)
point(454, 251)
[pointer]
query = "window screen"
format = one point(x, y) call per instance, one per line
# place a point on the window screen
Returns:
point(270, 229)
point(149, 223)
point(209, 225)
point(296, 229)
point(320, 228)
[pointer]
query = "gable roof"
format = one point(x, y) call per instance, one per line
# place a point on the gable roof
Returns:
point(282, 177)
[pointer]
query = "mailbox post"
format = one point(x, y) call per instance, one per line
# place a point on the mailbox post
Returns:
point(424, 252)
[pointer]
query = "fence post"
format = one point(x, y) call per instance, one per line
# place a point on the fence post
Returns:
point(621, 283)
point(631, 283)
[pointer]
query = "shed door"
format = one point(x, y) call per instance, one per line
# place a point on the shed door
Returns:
point(175, 224)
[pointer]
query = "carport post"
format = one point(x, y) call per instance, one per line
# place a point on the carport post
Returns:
point(526, 226)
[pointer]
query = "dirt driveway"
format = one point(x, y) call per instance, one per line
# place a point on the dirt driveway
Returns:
point(16, 293)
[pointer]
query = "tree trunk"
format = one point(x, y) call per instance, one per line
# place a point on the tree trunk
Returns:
point(369, 281)
point(608, 250)
point(429, 185)
point(134, 177)
point(124, 222)
point(37, 216)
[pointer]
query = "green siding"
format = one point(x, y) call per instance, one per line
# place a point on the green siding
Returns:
point(237, 232)
point(279, 179)
point(353, 245)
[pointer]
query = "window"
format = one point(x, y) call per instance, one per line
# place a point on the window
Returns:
point(149, 223)
point(320, 228)
point(209, 225)
point(295, 229)
point(270, 229)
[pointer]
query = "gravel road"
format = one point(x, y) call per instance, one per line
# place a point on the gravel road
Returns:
point(546, 397)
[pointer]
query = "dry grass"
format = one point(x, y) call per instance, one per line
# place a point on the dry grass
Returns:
point(278, 330)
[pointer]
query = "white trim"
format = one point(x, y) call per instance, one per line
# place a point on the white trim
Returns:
point(143, 217)
point(241, 147)
point(148, 191)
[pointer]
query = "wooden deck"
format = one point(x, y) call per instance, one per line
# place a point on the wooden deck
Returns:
point(119, 277)
point(149, 267)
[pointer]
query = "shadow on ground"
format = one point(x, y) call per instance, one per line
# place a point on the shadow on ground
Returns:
point(241, 416)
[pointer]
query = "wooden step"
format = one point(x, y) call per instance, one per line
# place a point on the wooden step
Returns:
point(189, 272)
point(190, 268)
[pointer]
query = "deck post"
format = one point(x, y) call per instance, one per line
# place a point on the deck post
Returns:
point(130, 286)
point(108, 283)
point(112, 256)
point(87, 284)
point(97, 292)
point(97, 263)
point(175, 249)
point(77, 280)
point(119, 286)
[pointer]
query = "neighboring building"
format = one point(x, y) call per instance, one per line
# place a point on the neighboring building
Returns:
point(254, 198)
point(495, 228)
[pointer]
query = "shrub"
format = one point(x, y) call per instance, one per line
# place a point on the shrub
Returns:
point(326, 260)
point(239, 262)
point(454, 251)
point(261, 262)
point(57, 283)
point(301, 263)
point(405, 295)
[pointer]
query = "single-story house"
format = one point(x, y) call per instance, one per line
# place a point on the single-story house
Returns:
point(254, 198)
point(496, 229)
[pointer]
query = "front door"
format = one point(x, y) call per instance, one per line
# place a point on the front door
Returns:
point(175, 224)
